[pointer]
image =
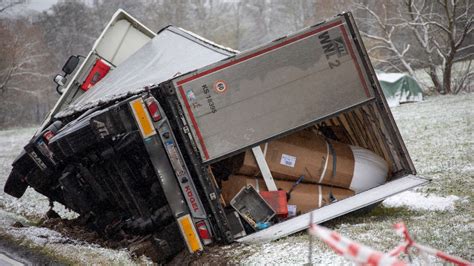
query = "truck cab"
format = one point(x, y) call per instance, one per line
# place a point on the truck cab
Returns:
point(122, 36)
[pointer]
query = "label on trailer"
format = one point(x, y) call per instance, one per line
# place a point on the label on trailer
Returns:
point(262, 93)
point(174, 158)
point(182, 174)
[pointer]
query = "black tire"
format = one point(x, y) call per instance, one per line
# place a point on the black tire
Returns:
point(15, 186)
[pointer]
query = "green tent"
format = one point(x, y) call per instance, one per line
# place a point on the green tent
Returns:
point(399, 88)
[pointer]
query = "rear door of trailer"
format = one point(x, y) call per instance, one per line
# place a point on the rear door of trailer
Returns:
point(273, 90)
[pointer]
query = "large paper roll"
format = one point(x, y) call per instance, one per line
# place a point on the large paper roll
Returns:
point(370, 170)
point(320, 161)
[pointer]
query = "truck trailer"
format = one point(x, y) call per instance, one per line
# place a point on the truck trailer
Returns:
point(158, 145)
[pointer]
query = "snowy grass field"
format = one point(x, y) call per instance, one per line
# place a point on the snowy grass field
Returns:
point(439, 135)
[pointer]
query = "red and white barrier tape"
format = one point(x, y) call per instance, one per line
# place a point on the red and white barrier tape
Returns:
point(402, 230)
point(365, 255)
point(352, 250)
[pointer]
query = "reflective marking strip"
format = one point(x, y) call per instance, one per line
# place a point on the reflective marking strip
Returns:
point(143, 118)
point(189, 233)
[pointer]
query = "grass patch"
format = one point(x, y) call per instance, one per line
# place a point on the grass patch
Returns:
point(386, 212)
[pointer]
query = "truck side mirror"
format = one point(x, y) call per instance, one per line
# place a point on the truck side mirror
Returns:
point(71, 64)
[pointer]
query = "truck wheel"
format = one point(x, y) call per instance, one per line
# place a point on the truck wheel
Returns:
point(15, 186)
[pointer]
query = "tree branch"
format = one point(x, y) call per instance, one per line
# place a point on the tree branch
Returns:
point(10, 5)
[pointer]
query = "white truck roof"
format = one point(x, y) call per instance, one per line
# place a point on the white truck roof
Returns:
point(171, 53)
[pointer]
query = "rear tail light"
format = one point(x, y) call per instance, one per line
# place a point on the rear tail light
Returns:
point(204, 232)
point(48, 135)
point(153, 108)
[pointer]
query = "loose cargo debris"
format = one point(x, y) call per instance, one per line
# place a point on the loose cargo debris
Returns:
point(305, 197)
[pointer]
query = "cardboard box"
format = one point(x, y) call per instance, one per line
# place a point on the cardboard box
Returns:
point(306, 197)
point(303, 153)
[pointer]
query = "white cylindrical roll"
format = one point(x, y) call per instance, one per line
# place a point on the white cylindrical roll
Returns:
point(370, 170)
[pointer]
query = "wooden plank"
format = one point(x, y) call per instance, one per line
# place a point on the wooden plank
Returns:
point(386, 141)
point(375, 132)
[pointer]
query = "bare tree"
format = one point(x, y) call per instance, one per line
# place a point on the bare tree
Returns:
point(25, 73)
point(7, 4)
point(21, 58)
point(438, 31)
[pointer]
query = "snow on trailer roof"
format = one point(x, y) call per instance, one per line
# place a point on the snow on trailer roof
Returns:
point(172, 52)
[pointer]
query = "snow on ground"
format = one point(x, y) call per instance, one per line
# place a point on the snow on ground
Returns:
point(32, 203)
point(438, 134)
point(417, 201)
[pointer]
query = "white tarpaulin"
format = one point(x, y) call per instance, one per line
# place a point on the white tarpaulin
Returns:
point(172, 52)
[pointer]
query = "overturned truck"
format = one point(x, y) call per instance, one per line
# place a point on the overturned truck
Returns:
point(195, 143)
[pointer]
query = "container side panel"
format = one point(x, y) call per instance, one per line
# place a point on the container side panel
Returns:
point(273, 89)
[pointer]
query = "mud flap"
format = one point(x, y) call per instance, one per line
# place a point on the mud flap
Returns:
point(336, 209)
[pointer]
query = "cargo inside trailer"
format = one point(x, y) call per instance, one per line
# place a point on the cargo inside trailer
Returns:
point(366, 126)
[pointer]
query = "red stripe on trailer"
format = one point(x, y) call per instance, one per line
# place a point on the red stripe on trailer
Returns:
point(354, 59)
point(263, 51)
point(193, 120)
